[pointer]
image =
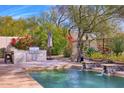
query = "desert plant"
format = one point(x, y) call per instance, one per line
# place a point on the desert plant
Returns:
point(90, 51)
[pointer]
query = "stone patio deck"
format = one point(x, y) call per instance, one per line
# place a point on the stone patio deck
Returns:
point(16, 75)
point(12, 76)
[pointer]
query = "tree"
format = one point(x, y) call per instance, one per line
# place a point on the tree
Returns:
point(88, 19)
point(11, 27)
point(50, 21)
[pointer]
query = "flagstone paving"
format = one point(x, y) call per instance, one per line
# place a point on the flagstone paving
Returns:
point(16, 75)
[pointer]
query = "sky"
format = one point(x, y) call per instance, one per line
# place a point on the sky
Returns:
point(17, 11)
point(24, 11)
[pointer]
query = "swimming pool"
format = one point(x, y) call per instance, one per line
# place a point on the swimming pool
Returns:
point(76, 79)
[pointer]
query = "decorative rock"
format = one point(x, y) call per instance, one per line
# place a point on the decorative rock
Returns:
point(58, 68)
point(76, 66)
point(35, 69)
point(50, 68)
point(68, 67)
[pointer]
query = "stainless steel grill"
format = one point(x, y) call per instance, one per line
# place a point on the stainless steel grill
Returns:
point(34, 51)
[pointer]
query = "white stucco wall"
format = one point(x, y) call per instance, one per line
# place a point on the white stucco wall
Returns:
point(5, 41)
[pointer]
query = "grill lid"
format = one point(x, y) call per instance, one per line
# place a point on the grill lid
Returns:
point(34, 50)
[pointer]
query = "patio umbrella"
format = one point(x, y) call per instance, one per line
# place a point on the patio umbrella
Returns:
point(50, 43)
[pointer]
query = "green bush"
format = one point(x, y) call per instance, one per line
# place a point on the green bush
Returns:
point(113, 57)
point(116, 58)
point(58, 39)
point(59, 42)
point(97, 55)
point(117, 44)
point(40, 39)
point(90, 51)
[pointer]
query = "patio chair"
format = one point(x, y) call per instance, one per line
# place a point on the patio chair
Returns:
point(8, 55)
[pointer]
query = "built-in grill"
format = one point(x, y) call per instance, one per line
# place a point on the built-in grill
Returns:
point(34, 51)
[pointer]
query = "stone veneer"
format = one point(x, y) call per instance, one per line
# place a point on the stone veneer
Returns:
point(22, 56)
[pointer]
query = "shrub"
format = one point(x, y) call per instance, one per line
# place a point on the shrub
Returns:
point(117, 58)
point(112, 57)
point(120, 58)
point(13, 42)
point(58, 39)
point(59, 42)
point(98, 55)
point(22, 43)
point(90, 51)
point(117, 44)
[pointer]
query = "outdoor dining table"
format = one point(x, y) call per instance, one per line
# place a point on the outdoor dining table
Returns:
point(109, 68)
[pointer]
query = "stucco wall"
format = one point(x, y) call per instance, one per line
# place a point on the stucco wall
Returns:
point(5, 41)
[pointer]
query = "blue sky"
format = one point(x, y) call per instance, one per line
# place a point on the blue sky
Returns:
point(17, 11)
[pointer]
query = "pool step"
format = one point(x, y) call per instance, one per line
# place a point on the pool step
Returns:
point(119, 73)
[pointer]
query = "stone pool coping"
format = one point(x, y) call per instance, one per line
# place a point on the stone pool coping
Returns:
point(17, 75)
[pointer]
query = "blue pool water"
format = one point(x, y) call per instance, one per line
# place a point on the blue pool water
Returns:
point(76, 79)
